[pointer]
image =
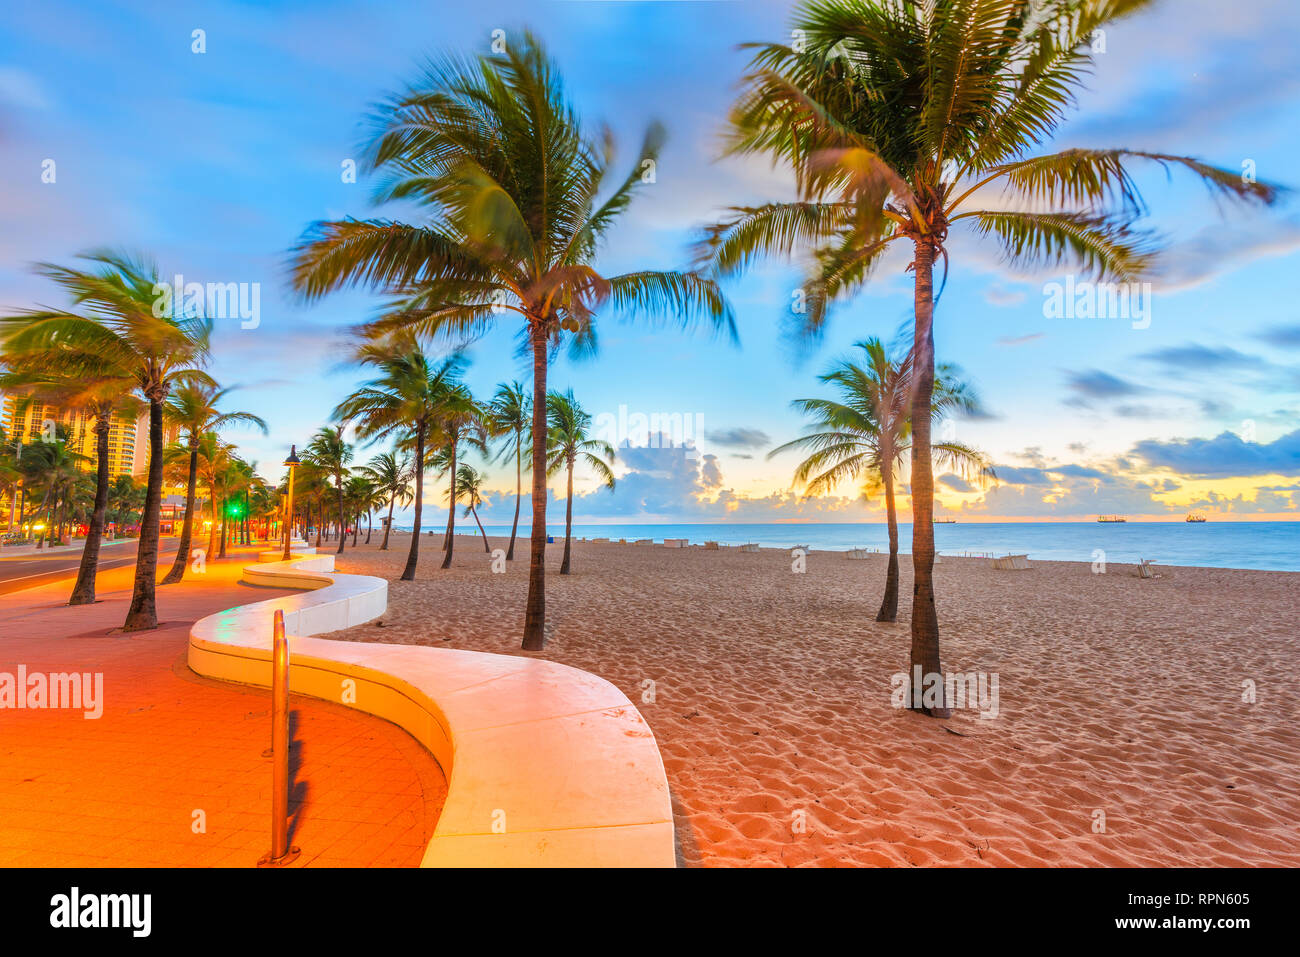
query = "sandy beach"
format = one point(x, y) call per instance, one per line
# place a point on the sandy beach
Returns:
point(1121, 736)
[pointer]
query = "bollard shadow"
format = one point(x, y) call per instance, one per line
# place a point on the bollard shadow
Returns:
point(298, 786)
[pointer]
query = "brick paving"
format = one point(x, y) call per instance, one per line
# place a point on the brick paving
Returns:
point(172, 773)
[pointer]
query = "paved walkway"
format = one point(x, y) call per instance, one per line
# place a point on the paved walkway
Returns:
point(172, 773)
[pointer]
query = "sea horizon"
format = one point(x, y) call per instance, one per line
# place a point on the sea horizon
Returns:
point(1264, 546)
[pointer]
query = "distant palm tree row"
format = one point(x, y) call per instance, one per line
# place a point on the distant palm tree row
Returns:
point(899, 122)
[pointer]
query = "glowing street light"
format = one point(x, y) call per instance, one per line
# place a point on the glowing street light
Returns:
point(291, 462)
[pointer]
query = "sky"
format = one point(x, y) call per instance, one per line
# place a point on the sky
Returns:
point(116, 131)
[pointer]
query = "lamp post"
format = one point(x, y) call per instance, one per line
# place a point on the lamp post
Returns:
point(292, 462)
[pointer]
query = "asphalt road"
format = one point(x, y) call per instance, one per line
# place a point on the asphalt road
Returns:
point(32, 570)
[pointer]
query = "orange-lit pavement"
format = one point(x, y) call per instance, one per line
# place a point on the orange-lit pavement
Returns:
point(172, 773)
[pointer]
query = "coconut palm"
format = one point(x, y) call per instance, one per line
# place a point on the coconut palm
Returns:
point(902, 120)
point(332, 453)
point(390, 476)
point(461, 425)
point(404, 402)
point(865, 435)
point(511, 179)
point(567, 442)
point(192, 408)
point(508, 416)
point(124, 325)
point(469, 486)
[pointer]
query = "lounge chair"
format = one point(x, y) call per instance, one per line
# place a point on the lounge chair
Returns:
point(860, 553)
point(748, 547)
point(1011, 563)
point(1147, 569)
point(644, 541)
point(674, 543)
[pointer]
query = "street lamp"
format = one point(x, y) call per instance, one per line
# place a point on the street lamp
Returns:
point(291, 462)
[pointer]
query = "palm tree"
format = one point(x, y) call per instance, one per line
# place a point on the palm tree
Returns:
point(508, 415)
point(392, 477)
point(510, 177)
point(125, 329)
point(899, 121)
point(192, 408)
point(865, 434)
point(460, 423)
point(470, 488)
point(331, 453)
point(405, 401)
point(568, 441)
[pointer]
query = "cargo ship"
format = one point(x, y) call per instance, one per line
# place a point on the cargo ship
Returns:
point(1195, 517)
point(1111, 518)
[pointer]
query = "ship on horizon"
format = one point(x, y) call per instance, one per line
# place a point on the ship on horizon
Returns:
point(1195, 517)
point(1111, 518)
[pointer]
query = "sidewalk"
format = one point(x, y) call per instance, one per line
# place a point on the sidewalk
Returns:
point(74, 548)
point(172, 773)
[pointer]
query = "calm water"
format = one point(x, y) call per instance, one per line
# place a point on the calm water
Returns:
point(1269, 545)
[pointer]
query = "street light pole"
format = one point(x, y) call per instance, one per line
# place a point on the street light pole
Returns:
point(291, 462)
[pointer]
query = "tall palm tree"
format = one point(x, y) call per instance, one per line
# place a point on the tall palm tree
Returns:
point(193, 410)
point(332, 453)
point(461, 425)
point(567, 442)
point(124, 325)
point(511, 179)
point(508, 416)
point(470, 489)
point(404, 402)
point(901, 120)
point(865, 434)
point(391, 476)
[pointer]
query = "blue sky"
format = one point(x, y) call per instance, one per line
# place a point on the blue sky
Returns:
point(214, 163)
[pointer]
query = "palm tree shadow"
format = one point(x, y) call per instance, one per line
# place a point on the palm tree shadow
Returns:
point(298, 789)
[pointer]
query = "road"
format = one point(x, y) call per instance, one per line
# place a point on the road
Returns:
point(32, 570)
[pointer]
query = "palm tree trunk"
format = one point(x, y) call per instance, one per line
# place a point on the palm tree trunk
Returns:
point(535, 606)
point(212, 527)
point(370, 527)
point(889, 604)
point(408, 574)
point(389, 527)
point(519, 491)
point(225, 525)
point(486, 547)
point(356, 527)
point(568, 522)
point(451, 512)
point(343, 528)
point(83, 592)
point(925, 619)
point(319, 523)
point(143, 613)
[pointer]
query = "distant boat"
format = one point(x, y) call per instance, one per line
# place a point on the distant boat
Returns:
point(945, 521)
point(1195, 517)
point(1111, 518)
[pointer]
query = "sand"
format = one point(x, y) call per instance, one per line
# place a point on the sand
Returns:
point(771, 700)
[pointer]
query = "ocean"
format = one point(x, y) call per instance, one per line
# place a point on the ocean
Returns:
point(1265, 545)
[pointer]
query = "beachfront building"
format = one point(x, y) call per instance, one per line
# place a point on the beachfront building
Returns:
point(36, 421)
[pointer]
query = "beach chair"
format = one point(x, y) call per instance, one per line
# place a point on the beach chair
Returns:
point(748, 547)
point(860, 553)
point(1147, 569)
point(674, 543)
point(1011, 563)
point(644, 541)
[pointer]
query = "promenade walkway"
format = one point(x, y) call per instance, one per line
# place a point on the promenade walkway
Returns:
point(172, 773)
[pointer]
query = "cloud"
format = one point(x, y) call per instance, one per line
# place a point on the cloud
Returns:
point(1222, 248)
point(740, 438)
point(1226, 455)
point(1095, 384)
point(19, 88)
point(999, 296)
point(1197, 356)
point(1020, 340)
point(1011, 475)
point(956, 483)
point(1284, 337)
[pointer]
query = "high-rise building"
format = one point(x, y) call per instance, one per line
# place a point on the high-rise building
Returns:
point(39, 419)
